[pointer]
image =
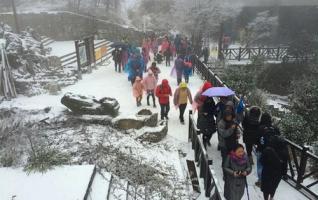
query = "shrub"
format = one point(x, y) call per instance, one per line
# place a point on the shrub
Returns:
point(43, 159)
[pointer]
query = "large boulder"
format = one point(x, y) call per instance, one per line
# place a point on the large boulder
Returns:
point(84, 105)
point(141, 119)
point(154, 134)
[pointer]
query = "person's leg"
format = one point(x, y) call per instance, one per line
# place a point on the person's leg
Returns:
point(137, 101)
point(116, 65)
point(153, 99)
point(167, 110)
point(148, 96)
point(179, 79)
point(186, 78)
point(266, 195)
point(259, 168)
point(182, 108)
point(119, 67)
point(162, 111)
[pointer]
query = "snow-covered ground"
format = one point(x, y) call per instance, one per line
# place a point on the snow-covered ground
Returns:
point(106, 82)
point(65, 182)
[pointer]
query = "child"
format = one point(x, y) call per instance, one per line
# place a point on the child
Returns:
point(159, 57)
point(163, 92)
point(236, 168)
point(138, 90)
point(150, 83)
point(181, 96)
point(156, 71)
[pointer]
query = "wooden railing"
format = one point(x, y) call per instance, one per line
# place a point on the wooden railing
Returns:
point(300, 158)
point(211, 185)
point(268, 53)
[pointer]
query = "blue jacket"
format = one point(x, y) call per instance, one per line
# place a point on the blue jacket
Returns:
point(135, 67)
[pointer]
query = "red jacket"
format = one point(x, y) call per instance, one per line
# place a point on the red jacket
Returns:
point(163, 92)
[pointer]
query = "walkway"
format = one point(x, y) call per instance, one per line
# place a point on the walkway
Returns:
point(106, 82)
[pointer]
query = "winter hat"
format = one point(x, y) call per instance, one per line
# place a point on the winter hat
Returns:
point(138, 78)
point(183, 85)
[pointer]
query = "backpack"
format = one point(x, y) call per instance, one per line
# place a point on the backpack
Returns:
point(279, 146)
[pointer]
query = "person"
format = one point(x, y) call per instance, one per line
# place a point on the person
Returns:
point(156, 71)
point(179, 67)
point(250, 125)
point(135, 67)
point(124, 57)
point(206, 54)
point(229, 132)
point(168, 54)
point(220, 108)
point(159, 57)
point(150, 83)
point(199, 98)
point(138, 89)
point(177, 43)
point(206, 120)
point(180, 100)
point(145, 57)
point(274, 161)
point(236, 168)
point(187, 71)
point(266, 130)
point(163, 91)
point(117, 59)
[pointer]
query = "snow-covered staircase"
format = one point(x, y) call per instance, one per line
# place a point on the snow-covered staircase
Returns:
point(46, 41)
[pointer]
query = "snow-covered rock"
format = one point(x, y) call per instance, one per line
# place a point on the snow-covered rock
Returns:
point(144, 118)
point(82, 105)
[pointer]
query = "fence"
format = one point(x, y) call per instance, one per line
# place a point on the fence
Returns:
point(102, 52)
point(300, 157)
point(201, 157)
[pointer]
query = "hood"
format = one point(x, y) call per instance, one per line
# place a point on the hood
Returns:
point(229, 104)
point(266, 119)
point(206, 86)
point(165, 82)
point(183, 85)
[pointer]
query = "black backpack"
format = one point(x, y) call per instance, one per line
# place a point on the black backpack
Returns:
point(279, 146)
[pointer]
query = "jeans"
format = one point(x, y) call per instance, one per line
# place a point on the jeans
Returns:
point(164, 110)
point(259, 166)
point(152, 95)
point(182, 108)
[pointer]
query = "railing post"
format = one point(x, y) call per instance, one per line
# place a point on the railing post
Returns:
point(190, 135)
point(240, 53)
point(278, 52)
point(302, 166)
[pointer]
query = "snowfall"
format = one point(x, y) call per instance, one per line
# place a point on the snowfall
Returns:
point(105, 82)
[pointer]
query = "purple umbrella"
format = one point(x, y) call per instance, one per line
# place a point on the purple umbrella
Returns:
point(218, 92)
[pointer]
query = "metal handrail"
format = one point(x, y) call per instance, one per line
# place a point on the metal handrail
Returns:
point(211, 185)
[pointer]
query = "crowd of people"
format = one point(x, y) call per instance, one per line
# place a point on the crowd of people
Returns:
point(223, 117)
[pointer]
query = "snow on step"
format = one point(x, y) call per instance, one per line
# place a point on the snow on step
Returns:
point(100, 186)
point(118, 190)
point(65, 182)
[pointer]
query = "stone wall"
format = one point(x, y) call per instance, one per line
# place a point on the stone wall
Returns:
point(72, 26)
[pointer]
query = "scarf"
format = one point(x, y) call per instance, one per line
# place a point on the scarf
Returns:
point(237, 160)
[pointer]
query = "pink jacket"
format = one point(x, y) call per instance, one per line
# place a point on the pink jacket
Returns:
point(138, 89)
point(150, 82)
